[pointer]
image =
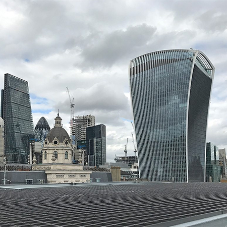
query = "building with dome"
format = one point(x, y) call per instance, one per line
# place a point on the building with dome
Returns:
point(57, 156)
point(57, 146)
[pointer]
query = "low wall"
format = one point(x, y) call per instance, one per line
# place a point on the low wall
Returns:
point(19, 177)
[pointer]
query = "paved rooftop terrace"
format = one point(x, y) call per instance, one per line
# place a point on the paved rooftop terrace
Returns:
point(130, 204)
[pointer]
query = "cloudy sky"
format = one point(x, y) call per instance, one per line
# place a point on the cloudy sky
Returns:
point(86, 45)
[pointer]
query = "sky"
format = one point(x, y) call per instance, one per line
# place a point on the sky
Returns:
point(87, 45)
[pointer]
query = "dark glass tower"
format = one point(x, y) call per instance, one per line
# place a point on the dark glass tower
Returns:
point(96, 145)
point(42, 128)
point(170, 92)
point(16, 113)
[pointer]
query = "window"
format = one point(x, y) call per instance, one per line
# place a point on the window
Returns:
point(45, 155)
point(56, 154)
point(66, 155)
point(55, 142)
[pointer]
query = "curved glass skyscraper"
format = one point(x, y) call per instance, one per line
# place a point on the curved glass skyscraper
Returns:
point(170, 93)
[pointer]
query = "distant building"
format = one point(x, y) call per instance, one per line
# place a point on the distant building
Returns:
point(42, 128)
point(81, 147)
point(57, 146)
point(17, 116)
point(170, 93)
point(213, 170)
point(222, 161)
point(1, 140)
point(96, 145)
point(80, 123)
point(129, 160)
point(57, 156)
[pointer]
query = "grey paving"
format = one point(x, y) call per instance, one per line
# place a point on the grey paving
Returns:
point(141, 204)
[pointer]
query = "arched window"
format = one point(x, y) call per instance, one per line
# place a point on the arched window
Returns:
point(66, 155)
point(45, 155)
point(56, 154)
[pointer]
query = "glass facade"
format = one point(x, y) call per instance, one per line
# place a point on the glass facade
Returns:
point(16, 113)
point(96, 145)
point(42, 128)
point(213, 169)
point(170, 92)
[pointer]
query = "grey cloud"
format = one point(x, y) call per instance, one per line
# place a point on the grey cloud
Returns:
point(105, 101)
point(212, 21)
point(117, 45)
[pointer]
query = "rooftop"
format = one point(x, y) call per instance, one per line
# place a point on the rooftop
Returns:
point(111, 204)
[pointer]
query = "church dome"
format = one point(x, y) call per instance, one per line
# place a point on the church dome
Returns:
point(42, 124)
point(58, 132)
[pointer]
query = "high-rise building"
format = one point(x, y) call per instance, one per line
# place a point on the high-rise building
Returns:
point(222, 161)
point(96, 145)
point(170, 92)
point(80, 123)
point(213, 169)
point(17, 116)
point(2, 153)
point(42, 128)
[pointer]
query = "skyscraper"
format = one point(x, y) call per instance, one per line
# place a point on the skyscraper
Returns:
point(222, 161)
point(170, 92)
point(42, 128)
point(2, 153)
point(80, 123)
point(96, 145)
point(16, 113)
point(213, 169)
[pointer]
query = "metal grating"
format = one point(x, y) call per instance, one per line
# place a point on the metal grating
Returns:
point(141, 204)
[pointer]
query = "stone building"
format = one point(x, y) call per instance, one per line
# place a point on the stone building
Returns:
point(57, 146)
point(57, 155)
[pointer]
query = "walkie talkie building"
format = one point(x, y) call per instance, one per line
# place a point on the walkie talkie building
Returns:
point(170, 92)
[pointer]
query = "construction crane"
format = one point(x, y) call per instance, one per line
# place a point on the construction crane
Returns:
point(126, 148)
point(135, 150)
point(134, 145)
point(72, 105)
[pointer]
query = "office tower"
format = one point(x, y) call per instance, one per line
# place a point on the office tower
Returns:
point(170, 92)
point(42, 128)
point(222, 161)
point(213, 169)
point(80, 123)
point(96, 145)
point(1, 140)
point(17, 116)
